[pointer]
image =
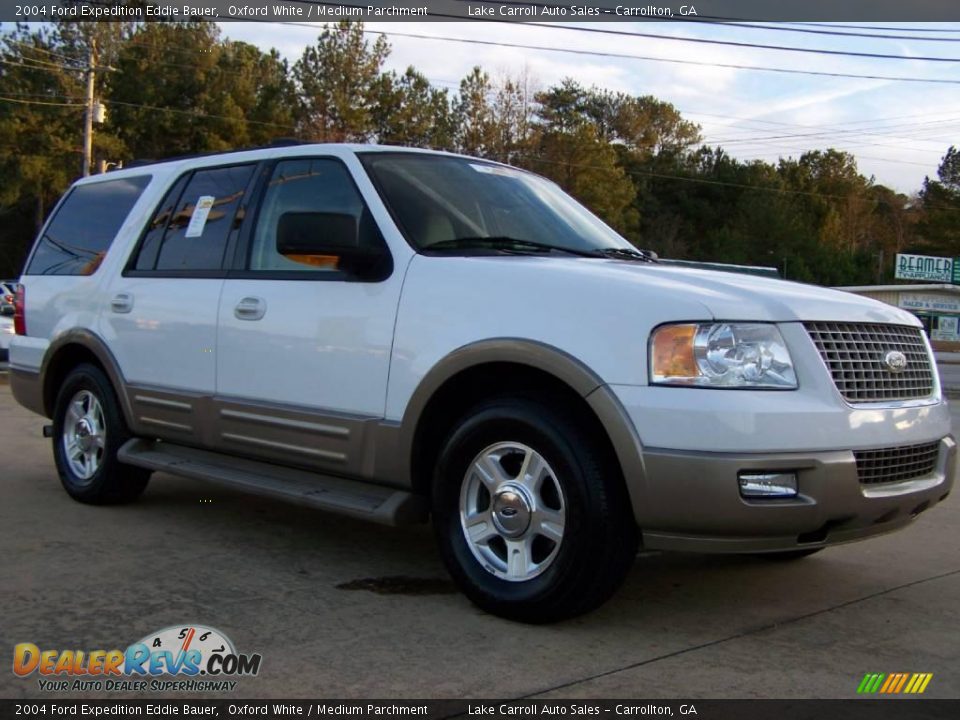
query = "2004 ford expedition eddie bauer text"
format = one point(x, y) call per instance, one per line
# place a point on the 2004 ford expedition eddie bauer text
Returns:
point(398, 334)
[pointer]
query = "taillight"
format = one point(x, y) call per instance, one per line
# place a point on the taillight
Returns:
point(19, 311)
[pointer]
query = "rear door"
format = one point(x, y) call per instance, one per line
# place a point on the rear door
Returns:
point(161, 314)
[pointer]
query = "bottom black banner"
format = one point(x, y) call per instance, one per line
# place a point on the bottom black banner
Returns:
point(908, 709)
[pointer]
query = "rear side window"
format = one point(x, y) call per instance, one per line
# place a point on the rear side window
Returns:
point(193, 223)
point(77, 238)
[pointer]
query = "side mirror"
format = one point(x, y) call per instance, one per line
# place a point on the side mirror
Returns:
point(328, 235)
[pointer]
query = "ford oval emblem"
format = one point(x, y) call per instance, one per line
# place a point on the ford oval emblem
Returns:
point(895, 361)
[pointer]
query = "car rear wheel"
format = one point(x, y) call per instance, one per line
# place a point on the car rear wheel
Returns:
point(530, 512)
point(88, 430)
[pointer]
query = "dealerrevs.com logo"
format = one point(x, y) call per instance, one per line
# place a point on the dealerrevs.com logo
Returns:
point(177, 658)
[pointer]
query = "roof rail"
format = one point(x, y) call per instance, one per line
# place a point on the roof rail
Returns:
point(275, 143)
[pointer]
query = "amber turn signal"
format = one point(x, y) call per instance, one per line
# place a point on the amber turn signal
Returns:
point(672, 352)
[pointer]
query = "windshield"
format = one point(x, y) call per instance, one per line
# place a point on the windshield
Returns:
point(447, 203)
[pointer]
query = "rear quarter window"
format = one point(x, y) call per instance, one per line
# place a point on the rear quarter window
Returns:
point(77, 238)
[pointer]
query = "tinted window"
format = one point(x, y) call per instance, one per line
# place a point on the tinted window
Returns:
point(150, 247)
point(308, 186)
point(199, 224)
point(76, 240)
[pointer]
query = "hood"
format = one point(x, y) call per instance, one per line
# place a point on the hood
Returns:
point(732, 296)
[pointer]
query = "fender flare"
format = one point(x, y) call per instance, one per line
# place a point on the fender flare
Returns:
point(547, 358)
point(96, 346)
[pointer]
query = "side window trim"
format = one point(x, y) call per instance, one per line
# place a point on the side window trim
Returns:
point(241, 260)
point(178, 186)
point(183, 181)
point(241, 245)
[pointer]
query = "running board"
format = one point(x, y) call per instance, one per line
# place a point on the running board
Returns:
point(323, 492)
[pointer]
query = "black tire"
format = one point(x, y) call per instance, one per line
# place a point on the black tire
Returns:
point(112, 481)
point(788, 555)
point(600, 537)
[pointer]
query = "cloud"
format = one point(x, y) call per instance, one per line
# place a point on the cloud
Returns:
point(758, 104)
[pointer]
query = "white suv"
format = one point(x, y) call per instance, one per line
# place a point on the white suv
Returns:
point(394, 334)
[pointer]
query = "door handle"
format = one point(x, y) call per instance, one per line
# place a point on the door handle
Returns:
point(250, 308)
point(122, 303)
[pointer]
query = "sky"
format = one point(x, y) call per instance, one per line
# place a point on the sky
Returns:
point(898, 131)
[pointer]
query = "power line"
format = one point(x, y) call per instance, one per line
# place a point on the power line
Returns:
point(826, 132)
point(38, 102)
point(35, 64)
point(33, 67)
point(800, 148)
point(736, 43)
point(812, 31)
point(707, 41)
point(41, 95)
point(626, 56)
point(861, 156)
point(715, 21)
point(845, 123)
point(862, 27)
point(40, 49)
point(198, 113)
point(829, 133)
point(935, 143)
point(448, 83)
point(780, 155)
point(708, 181)
point(781, 150)
point(454, 84)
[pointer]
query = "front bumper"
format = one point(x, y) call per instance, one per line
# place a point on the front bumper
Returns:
point(692, 500)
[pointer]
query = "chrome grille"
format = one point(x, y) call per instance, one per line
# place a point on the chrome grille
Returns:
point(897, 463)
point(854, 353)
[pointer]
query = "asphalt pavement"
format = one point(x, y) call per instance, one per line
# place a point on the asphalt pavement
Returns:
point(319, 598)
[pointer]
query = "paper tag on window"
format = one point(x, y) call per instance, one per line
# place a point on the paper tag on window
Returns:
point(200, 213)
point(494, 170)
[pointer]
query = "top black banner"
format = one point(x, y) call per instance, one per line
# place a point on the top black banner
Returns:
point(313, 11)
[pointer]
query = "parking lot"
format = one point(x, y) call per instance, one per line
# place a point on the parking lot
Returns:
point(301, 588)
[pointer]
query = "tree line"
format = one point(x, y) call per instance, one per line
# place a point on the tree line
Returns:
point(180, 88)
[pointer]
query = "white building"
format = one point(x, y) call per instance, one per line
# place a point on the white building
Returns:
point(937, 306)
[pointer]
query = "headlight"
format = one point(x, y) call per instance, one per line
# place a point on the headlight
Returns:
point(729, 355)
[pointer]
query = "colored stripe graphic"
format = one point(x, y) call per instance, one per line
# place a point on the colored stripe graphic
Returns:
point(901, 682)
point(894, 683)
point(891, 681)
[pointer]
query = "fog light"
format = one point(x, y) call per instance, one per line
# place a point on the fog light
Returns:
point(768, 485)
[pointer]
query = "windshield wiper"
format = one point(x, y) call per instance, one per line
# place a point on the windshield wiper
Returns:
point(508, 244)
point(629, 254)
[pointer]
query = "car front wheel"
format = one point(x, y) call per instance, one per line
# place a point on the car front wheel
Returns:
point(530, 512)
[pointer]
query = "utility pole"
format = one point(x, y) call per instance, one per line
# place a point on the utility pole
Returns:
point(88, 115)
